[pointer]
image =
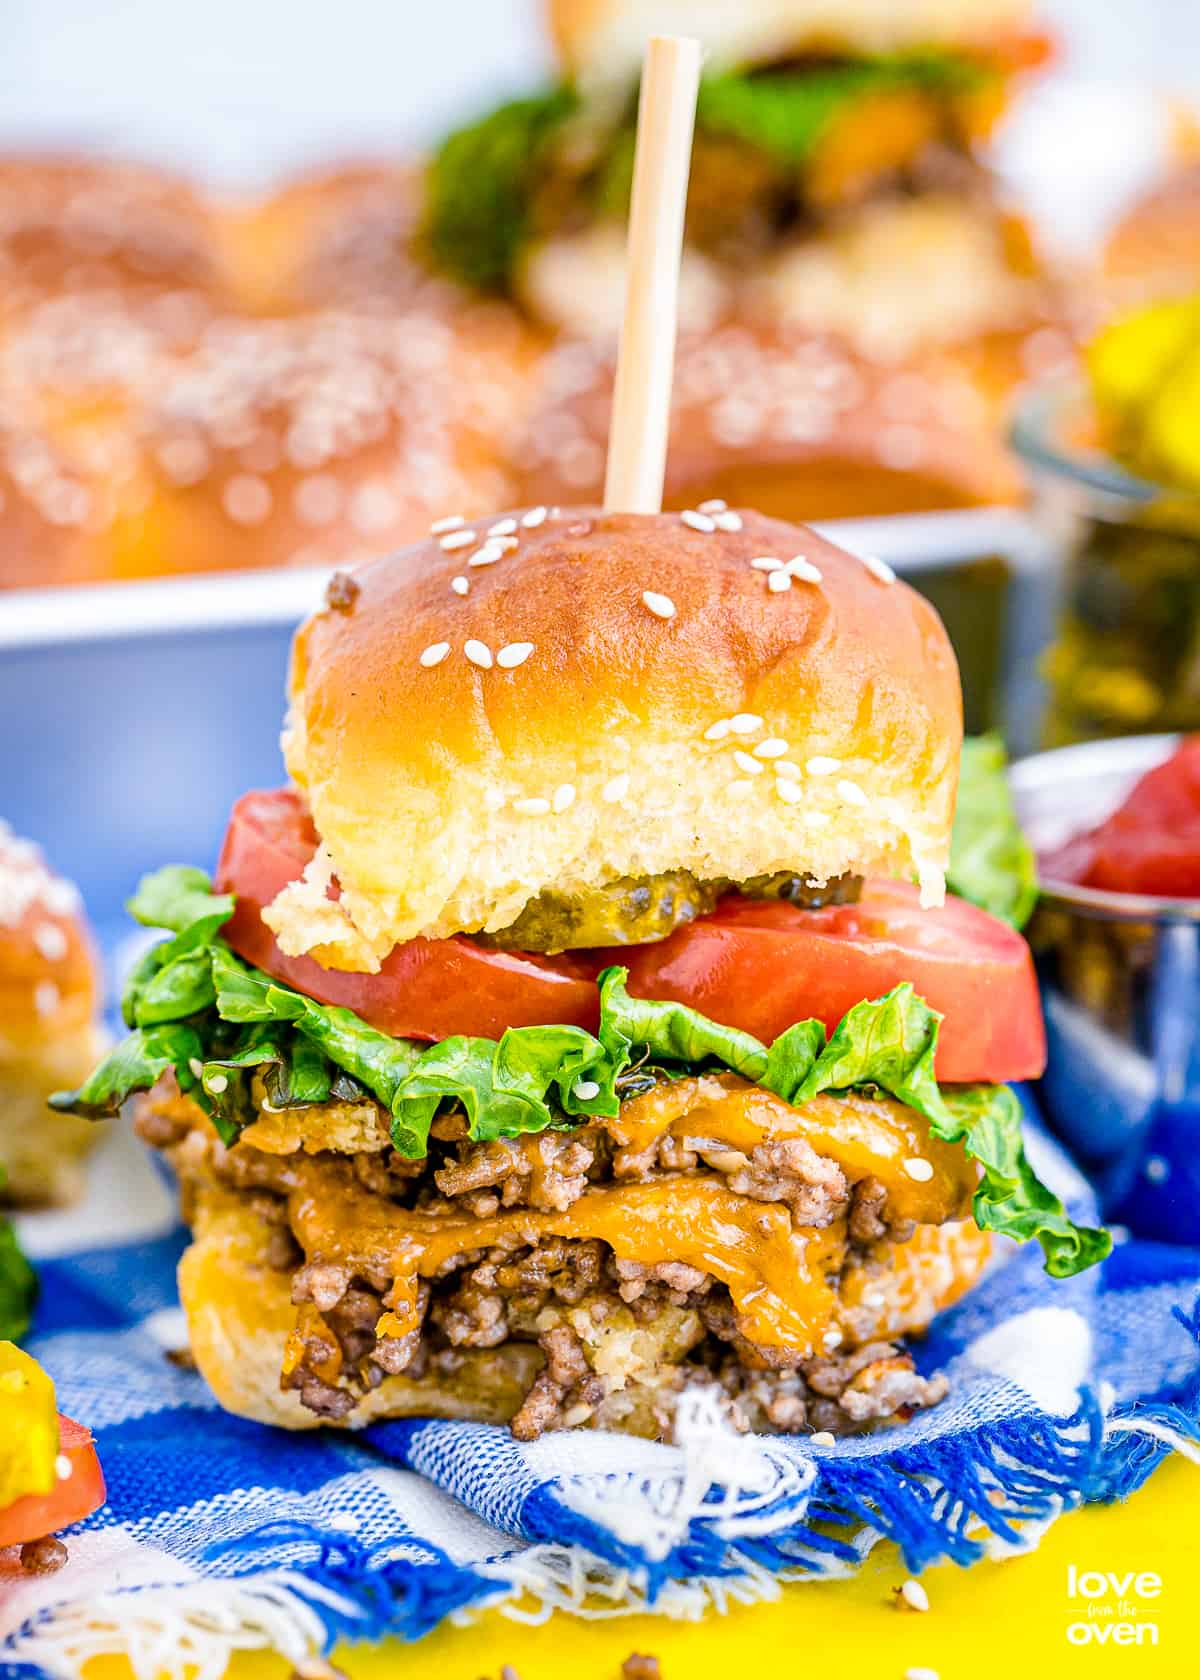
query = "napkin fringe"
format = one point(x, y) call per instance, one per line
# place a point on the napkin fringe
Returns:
point(993, 1489)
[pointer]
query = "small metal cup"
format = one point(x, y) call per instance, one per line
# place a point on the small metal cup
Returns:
point(1120, 977)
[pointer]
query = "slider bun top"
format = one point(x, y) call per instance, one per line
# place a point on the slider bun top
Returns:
point(797, 424)
point(48, 969)
point(605, 39)
point(448, 793)
point(73, 224)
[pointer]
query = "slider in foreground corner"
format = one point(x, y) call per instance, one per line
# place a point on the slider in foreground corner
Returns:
point(567, 1032)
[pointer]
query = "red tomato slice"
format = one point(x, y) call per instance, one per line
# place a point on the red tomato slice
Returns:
point(1151, 844)
point(427, 988)
point(761, 965)
point(73, 1497)
point(756, 965)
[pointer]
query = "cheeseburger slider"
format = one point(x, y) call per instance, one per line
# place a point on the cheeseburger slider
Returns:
point(584, 1020)
point(836, 180)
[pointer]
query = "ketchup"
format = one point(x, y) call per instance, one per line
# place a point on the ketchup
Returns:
point(1151, 845)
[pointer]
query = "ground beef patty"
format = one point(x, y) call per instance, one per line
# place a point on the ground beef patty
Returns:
point(510, 1258)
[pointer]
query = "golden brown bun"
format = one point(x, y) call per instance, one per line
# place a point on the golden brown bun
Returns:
point(325, 439)
point(70, 224)
point(1154, 251)
point(319, 439)
point(46, 507)
point(420, 774)
point(48, 1035)
point(902, 277)
point(796, 425)
point(605, 39)
point(240, 1314)
point(333, 238)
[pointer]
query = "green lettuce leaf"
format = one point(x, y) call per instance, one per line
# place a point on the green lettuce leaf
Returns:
point(237, 1023)
point(670, 1034)
point(18, 1284)
point(991, 862)
point(481, 184)
point(180, 899)
point(785, 113)
point(134, 1064)
point(1011, 1199)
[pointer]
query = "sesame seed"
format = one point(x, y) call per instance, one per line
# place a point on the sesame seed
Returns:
point(823, 1438)
point(789, 792)
point(766, 563)
point(513, 654)
point(852, 793)
point(50, 940)
point(452, 522)
point(491, 551)
point(536, 516)
point(713, 505)
point(196, 1066)
point(457, 539)
point(745, 723)
point(46, 997)
point(460, 584)
point(62, 1467)
point(493, 799)
point(246, 499)
point(751, 766)
point(738, 788)
point(564, 797)
point(479, 654)
point(784, 767)
point(585, 1089)
point(434, 654)
point(502, 528)
point(816, 819)
point(822, 766)
point(878, 568)
point(697, 521)
point(661, 606)
point(804, 569)
point(531, 807)
point(872, 1297)
point(317, 500)
point(921, 1674)
point(717, 731)
point(218, 1083)
point(832, 1338)
point(373, 507)
point(727, 521)
point(773, 747)
point(919, 1169)
point(914, 1595)
point(616, 789)
point(777, 582)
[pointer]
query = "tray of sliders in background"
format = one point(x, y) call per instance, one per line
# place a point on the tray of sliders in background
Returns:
point(265, 389)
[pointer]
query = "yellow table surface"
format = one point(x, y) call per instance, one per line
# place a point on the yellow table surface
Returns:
point(1006, 1619)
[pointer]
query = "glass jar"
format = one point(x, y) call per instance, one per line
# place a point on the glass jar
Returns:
point(1125, 658)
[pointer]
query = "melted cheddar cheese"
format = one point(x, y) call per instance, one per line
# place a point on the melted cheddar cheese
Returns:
point(789, 1284)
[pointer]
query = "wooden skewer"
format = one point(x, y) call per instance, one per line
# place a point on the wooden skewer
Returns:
point(637, 439)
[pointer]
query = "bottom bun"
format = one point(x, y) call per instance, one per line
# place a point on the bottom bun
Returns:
point(240, 1317)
